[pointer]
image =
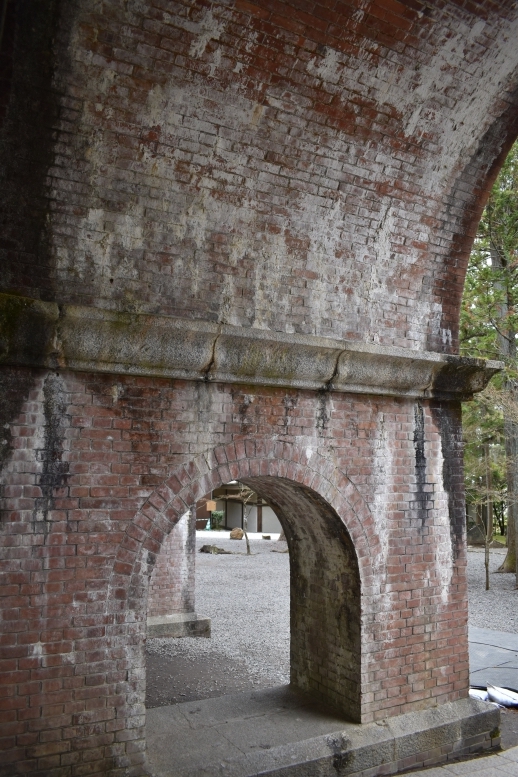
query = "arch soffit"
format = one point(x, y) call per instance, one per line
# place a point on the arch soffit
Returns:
point(476, 177)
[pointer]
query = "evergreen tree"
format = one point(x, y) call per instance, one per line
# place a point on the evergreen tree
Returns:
point(489, 328)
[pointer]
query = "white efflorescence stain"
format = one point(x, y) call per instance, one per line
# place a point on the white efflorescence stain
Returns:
point(383, 477)
point(210, 28)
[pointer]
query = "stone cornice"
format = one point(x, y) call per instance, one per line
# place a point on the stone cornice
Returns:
point(43, 334)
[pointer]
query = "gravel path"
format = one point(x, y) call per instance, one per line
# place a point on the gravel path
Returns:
point(248, 601)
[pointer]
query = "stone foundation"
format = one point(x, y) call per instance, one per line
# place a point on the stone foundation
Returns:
point(299, 740)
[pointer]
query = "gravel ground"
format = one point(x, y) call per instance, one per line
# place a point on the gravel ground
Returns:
point(497, 608)
point(247, 598)
point(248, 601)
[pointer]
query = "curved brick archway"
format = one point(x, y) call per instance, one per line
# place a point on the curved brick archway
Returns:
point(333, 547)
point(243, 461)
point(336, 141)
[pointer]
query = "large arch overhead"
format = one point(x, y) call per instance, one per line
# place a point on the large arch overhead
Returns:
point(217, 146)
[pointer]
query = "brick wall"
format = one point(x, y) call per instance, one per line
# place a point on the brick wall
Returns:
point(80, 538)
point(171, 585)
point(316, 171)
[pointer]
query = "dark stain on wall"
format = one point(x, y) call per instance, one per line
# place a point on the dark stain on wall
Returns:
point(15, 385)
point(322, 418)
point(55, 470)
point(448, 419)
point(420, 461)
point(28, 114)
point(26, 147)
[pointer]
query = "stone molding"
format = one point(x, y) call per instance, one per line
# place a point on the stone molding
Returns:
point(44, 334)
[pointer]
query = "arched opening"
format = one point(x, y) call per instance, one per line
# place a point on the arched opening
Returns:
point(240, 577)
point(325, 628)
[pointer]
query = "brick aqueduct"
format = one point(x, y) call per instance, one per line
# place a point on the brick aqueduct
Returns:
point(233, 244)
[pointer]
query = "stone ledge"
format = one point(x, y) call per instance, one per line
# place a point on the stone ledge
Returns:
point(277, 732)
point(43, 334)
point(182, 624)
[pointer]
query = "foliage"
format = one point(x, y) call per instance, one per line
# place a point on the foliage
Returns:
point(489, 317)
point(483, 424)
point(488, 329)
point(216, 519)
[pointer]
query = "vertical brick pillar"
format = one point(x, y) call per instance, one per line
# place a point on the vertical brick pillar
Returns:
point(171, 610)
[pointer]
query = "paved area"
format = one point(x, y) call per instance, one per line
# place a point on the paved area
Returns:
point(493, 658)
point(504, 764)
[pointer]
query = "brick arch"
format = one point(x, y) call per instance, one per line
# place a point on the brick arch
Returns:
point(332, 548)
point(468, 194)
point(242, 461)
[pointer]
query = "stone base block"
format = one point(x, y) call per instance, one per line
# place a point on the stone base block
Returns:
point(277, 732)
point(182, 624)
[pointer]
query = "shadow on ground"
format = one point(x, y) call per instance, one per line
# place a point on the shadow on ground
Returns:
point(175, 679)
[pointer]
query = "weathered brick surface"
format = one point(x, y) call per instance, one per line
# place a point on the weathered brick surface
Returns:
point(77, 562)
point(312, 167)
point(308, 168)
point(171, 586)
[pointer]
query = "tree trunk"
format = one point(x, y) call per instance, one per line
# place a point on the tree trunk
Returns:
point(507, 343)
point(511, 452)
point(489, 513)
point(245, 529)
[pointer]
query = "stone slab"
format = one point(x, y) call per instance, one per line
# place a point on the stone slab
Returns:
point(280, 732)
point(179, 625)
point(499, 765)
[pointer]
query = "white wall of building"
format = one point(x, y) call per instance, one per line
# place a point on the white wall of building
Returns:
point(271, 524)
point(233, 514)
